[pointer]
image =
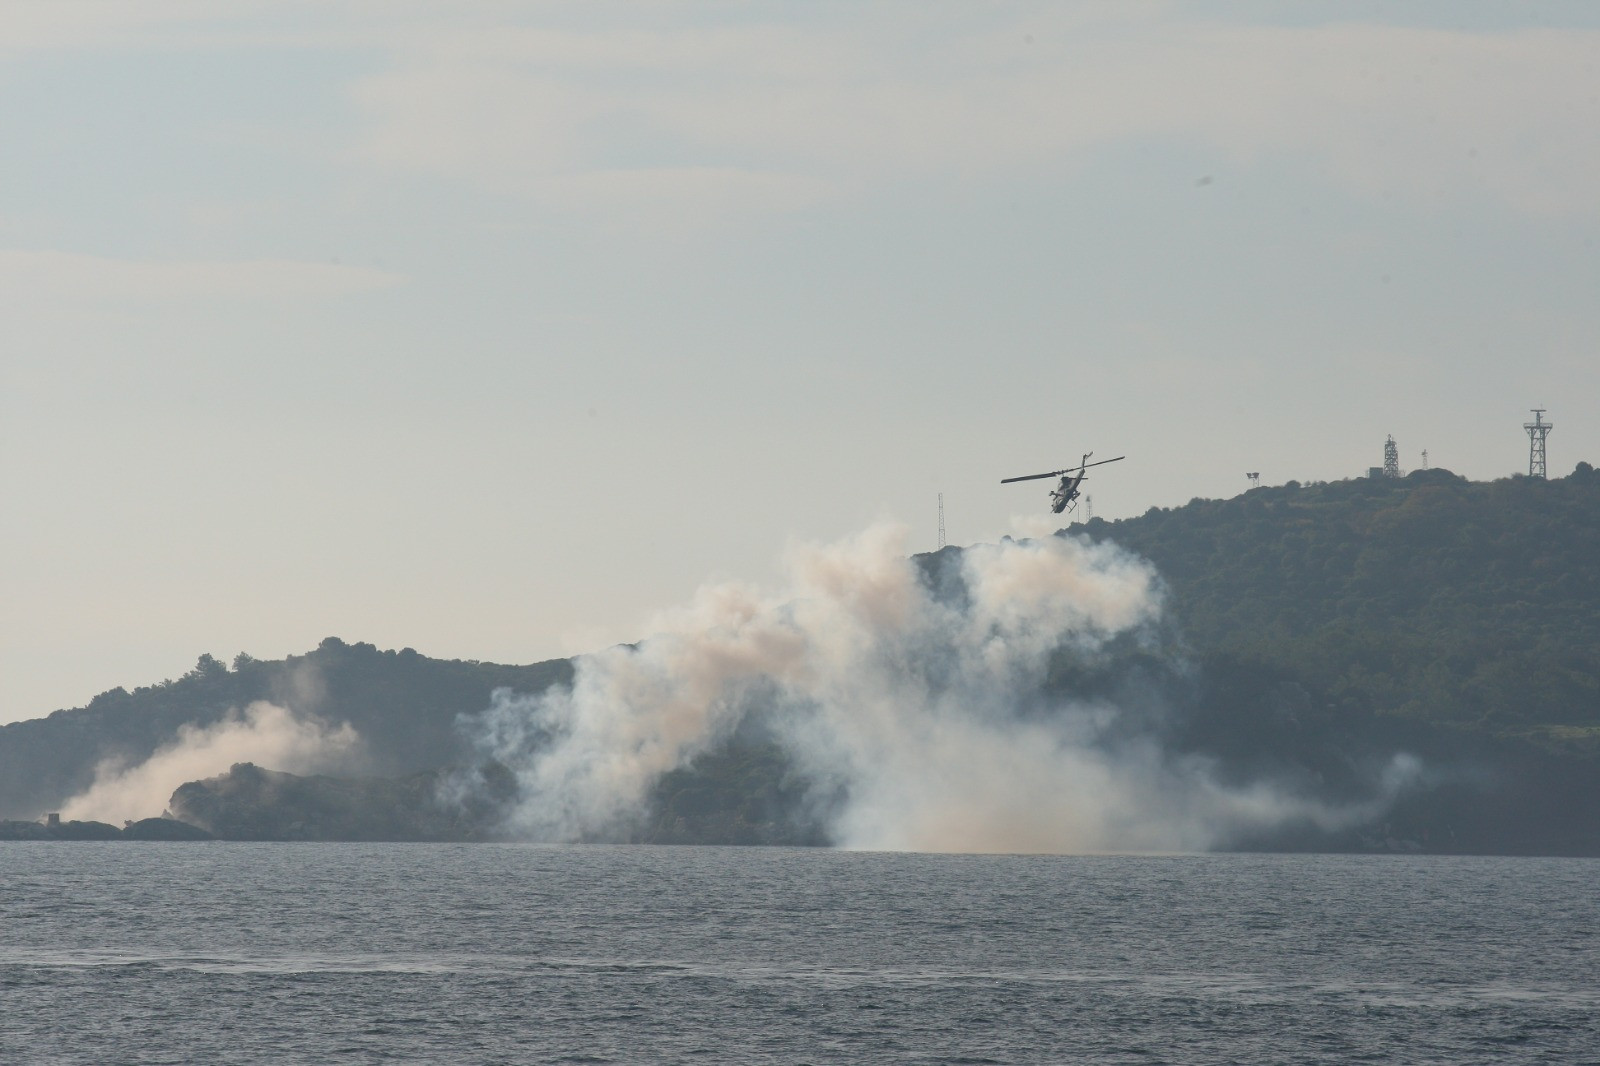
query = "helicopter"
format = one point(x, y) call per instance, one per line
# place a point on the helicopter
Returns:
point(1063, 495)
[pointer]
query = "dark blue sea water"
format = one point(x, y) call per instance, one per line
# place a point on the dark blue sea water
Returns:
point(317, 953)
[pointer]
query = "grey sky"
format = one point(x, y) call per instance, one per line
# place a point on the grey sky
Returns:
point(492, 328)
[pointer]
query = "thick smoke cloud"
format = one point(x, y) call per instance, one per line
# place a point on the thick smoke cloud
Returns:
point(920, 702)
point(265, 733)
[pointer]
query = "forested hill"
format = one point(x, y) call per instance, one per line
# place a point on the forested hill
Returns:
point(1432, 598)
point(1323, 629)
point(402, 704)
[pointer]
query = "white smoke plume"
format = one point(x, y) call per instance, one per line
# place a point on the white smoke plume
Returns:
point(925, 710)
point(265, 733)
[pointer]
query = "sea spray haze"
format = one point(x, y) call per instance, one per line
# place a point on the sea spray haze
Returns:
point(921, 702)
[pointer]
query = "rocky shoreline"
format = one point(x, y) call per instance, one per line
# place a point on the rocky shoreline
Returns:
point(143, 829)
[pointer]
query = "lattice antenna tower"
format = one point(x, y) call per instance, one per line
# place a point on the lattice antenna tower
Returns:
point(1538, 430)
point(941, 520)
point(1391, 458)
point(1255, 478)
point(1088, 508)
point(1424, 458)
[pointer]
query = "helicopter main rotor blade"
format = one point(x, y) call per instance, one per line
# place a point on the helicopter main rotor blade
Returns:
point(1086, 466)
point(1058, 473)
point(1031, 477)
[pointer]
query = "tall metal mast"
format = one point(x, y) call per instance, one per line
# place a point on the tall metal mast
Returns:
point(1391, 458)
point(1538, 430)
point(941, 520)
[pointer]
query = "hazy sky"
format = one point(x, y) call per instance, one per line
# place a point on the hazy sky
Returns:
point(492, 328)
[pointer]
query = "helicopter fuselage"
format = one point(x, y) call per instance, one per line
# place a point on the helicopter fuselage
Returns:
point(1062, 495)
point(1065, 493)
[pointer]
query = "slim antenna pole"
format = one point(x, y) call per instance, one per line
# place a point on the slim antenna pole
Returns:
point(941, 520)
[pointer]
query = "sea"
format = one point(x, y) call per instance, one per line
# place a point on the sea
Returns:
point(119, 952)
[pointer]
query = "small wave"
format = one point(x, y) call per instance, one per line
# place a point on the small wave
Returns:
point(239, 964)
point(614, 966)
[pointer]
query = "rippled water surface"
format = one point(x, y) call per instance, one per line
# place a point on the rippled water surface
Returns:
point(315, 953)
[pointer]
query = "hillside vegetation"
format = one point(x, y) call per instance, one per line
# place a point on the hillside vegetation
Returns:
point(402, 704)
point(1469, 604)
point(1313, 634)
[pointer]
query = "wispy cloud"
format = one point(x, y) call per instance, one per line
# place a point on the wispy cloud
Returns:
point(31, 276)
point(1430, 114)
point(533, 99)
point(40, 25)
